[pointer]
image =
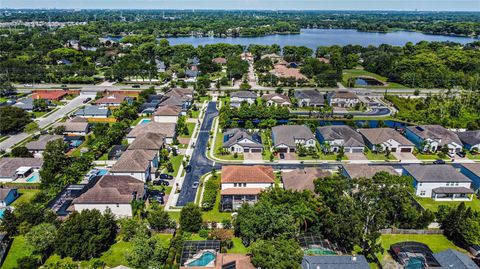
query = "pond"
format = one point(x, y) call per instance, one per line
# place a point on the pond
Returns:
point(364, 81)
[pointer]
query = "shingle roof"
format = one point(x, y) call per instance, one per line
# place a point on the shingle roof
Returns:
point(112, 190)
point(241, 261)
point(335, 262)
point(26, 104)
point(286, 134)
point(473, 167)
point(76, 124)
point(276, 98)
point(237, 134)
point(436, 132)
point(167, 129)
point(8, 166)
point(137, 160)
point(435, 173)
point(41, 143)
point(367, 171)
point(247, 174)
point(302, 179)
point(470, 137)
point(454, 259)
point(350, 137)
point(148, 141)
point(168, 110)
point(456, 190)
point(315, 97)
point(344, 95)
point(243, 94)
point(111, 99)
point(4, 192)
point(92, 110)
point(381, 135)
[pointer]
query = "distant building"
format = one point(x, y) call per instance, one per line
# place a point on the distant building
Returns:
point(237, 98)
point(93, 111)
point(25, 104)
point(220, 60)
point(343, 99)
point(276, 99)
point(54, 95)
point(38, 147)
point(113, 100)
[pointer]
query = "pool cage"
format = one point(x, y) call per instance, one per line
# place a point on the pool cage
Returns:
point(413, 255)
point(190, 248)
point(313, 245)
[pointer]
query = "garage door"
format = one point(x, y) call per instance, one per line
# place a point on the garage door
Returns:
point(405, 150)
point(393, 149)
point(256, 150)
point(284, 150)
point(357, 150)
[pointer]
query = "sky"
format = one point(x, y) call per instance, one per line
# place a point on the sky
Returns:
point(408, 5)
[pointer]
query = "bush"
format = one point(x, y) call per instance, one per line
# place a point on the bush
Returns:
point(203, 233)
point(210, 193)
point(190, 218)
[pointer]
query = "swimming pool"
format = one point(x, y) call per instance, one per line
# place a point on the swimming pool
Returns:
point(145, 121)
point(205, 259)
point(33, 178)
point(2, 211)
point(102, 172)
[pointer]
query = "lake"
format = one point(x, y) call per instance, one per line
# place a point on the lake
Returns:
point(313, 38)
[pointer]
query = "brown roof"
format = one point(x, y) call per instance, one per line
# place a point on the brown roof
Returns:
point(219, 60)
point(380, 135)
point(8, 166)
point(167, 129)
point(149, 141)
point(112, 190)
point(473, 167)
point(277, 98)
point(285, 72)
point(247, 174)
point(302, 179)
point(168, 110)
point(367, 171)
point(344, 95)
point(136, 160)
point(111, 99)
point(241, 191)
point(42, 141)
point(77, 124)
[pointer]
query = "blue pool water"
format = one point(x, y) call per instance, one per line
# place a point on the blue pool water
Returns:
point(102, 172)
point(204, 260)
point(33, 178)
point(145, 121)
point(2, 210)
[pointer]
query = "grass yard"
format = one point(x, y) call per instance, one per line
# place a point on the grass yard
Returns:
point(194, 113)
point(218, 144)
point(266, 147)
point(473, 156)
point(215, 214)
point(176, 162)
point(19, 249)
point(238, 247)
point(427, 156)
point(190, 126)
point(360, 72)
point(378, 156)
point(25, 196)
point(116, 255)
point(429, 203)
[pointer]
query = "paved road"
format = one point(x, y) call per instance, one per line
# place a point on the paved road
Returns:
point(43, 122)
point(375, 112)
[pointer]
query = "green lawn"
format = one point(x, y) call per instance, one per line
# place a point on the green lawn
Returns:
point(176, 162)
point(378, 156)
point(429, 203)
point(19, 249)
point(194, 113)
point(190, 126)
point(473, 157)
point(238, 247)
point(215, 214)
point(25, 196)
point(218, 144)
point(39, 114)
point(266, 147)
point(428, 156)
point(360, 72)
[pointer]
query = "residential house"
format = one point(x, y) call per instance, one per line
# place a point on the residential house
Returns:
point(472, 171)
point(237, 98)
point(283, 71)
point(169, 113)
point(381, 139)
point(333, 137)
point(112, 192)
point(193, 61)
point(221, 260)
point(343, 99)
point(276, 99)
point(76, 126)
point(25, 104)
point(191, 74)
point(138, 163)
point(286, 138)
point(367, 171)
point(272, 56)
point(148, 108)
point(302, 179)
point(50, 95)
point(433, 138)
point(309, 98)
point(116, 152)
point(241, 141)
point(166, 129)
point(93, 111)
point(14, 168)
point(182, 97)
point(243, 184)
point(7, 196)
point(219, 60)
point(113, 100)
point(440, 182)
point(148, 141)
point(247, 56)
point(470, 140)
point(335, 261)
point(38, 147)
point(454, 259)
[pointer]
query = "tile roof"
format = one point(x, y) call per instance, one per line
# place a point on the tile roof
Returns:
point(470, 137)
point(168, 110)
point(111, 99)
point(350, 137)
point(286, 134)
point(49, 95)
point(435, 173)
point(137, 160)
point(473, 167)
point(4, 192)
point(8, 166)
point(335, 262)
point(219, 60)
point(367, 171)
point(276, 98)
point(237, 134)
point(42, 141)
point(241, 191)
point(167, 129)
point(302, 179)
point(247, 174)
point(112, 190)
point(436, 132)
point(148, 141)
point(285, 72)
point(381, 135)
point(454, 259)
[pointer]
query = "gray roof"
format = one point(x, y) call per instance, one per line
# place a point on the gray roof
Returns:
point(8, 166)
point(381, 135)
point(350, 137)
point(435, 132)
point(435, 173)
point(470, 137)
point(167, 129)
point(455, 190)
point(244, 94)
point(151, 141)
point(286, 134)
point(191, 73)
point(112, 189)
point(454, 259)
point(92, 110)
point(367, 171)
point(74, 125)
point(137, 160)
point(335, 262)
point(236, 134)
point(41, 143)
point(315, 97)
point(26, 104)
point(472, 167)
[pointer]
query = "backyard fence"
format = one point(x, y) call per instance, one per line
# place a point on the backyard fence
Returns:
point(410, 231)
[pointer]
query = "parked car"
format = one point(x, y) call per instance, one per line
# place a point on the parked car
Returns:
point(28, 85)
point(136, 86)
point(87, 100)
point(439, 162)
point(188, 168)
point(166, 176)
point(195, 185)
point(461, 154)
point(160, 183)
point(451, 155)
point(282, 156)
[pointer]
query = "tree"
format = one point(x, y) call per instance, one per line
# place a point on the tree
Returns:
point(159, 219)
point(54, 161)
point(147, 253)
point(190, 218)
point(276, 254)
point(7, 89)
point(40, 104)
point(126, 111)
point(42, 238)
point(21, 152)
point(9, 223)
point(13, 120)
point(31, 127)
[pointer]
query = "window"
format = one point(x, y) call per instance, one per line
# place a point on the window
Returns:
point(456, 184)
point(234, 185)
point(422, 193)
point(244, 184)
point(118, 205)
point(448, 184)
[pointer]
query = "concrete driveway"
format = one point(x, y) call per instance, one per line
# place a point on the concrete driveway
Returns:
point(405, 157)
point(252, 156)
point(356, 156)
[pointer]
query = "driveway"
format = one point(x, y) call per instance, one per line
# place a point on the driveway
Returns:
point(252, 156)
point(404, 156)
point(356, 156)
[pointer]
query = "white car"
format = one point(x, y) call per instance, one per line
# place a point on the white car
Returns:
point(195, 185)
point(28, 85)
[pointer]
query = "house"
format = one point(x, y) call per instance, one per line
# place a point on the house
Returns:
point(246, 56)
point(38, 147)
point(182, 97)
point(219, 60)
point(7, 196)
point(55, 95)
point(76, 126)
point(222, 261)
point(243, 184)
point(193, 61)
point(470, 140)
point(283, 71)
point(309, 98)
point(148, 141)
point(25, 104)
point(93, 111)
point(191, 74)
point(454, 259)
point(472, 171)
point(440, 182)
point(272, 56)
point(433, 138)
point(166, 129)
point(161, 67)
point(366, 171)
point(335, 262)
point(381, 139)
point(112, 192)
point(14, 168)
point(140, 164)
point(343, 99)
point(276, 99)
point(286, 138)
point(148, 108)
point(332, 137)
point(64, 62)
point(113, 100)
point(116, 152)
point(302, 179)
point(241, 141)
point(169, 113)
point(237, 98)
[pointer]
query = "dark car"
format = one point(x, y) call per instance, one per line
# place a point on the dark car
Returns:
point(282, 156)
point(87, 100)
point(160, 183)
point(136, 86)
point(156, 193)
point(461, 154)
point(166, 176)
point(188, 168)
point(439, 162)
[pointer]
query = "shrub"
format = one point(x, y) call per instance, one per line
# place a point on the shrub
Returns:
point(210, 193)
point(203, 233)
